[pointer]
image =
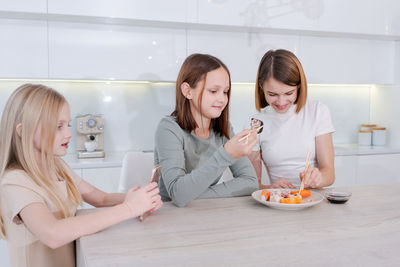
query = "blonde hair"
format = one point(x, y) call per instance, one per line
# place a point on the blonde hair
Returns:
point(285, 67)
point(35, 107)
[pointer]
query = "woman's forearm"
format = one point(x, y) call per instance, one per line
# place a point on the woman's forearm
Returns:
point(255, 159)
point(328, 176)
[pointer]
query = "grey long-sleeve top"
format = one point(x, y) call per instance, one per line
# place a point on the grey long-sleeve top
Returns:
point(191, 166)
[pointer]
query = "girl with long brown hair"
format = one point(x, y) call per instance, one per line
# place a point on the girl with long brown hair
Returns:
point(39, 193)
point(196, 144)
point(292, 126)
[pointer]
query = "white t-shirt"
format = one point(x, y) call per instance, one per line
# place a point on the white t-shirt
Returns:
point(286, 138)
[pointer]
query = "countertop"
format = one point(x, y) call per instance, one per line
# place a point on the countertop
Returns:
point(242, 232)
point(114, 159)
point(356, 150)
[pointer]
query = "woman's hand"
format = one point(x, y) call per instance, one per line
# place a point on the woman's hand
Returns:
point(282, 183)
point(312, 178)
point(238, 149)
point(142, 199)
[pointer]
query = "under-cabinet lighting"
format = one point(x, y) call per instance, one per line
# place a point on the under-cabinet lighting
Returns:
point(110, 81)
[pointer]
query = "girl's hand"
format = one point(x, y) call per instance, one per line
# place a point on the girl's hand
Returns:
point(243, 148)
point(312, 178)
point(142, 199)
point(282, 183)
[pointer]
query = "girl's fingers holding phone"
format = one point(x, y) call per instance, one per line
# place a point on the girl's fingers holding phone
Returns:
point(150, 186)
point(158, 205)
point(154, 192)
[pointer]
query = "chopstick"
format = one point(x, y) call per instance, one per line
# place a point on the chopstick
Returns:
point(247, 135)
point(305, 170)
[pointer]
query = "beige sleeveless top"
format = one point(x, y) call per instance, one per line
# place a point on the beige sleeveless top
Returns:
point(17, 191)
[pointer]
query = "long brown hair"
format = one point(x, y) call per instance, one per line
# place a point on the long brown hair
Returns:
point(285, 67)
point(35, 106)
point(194, 69)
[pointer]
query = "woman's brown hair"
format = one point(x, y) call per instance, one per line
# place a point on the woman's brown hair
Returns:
point(283, 66)
point(194, 69)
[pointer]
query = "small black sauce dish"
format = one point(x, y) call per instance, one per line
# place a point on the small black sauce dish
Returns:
point(338, 197)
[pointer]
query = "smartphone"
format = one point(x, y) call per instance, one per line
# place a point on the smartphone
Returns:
point(156, 174)
point(155, 177)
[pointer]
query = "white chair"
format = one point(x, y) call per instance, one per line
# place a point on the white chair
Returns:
point(136, 170)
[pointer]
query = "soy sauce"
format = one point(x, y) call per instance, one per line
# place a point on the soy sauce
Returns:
point(337, 201)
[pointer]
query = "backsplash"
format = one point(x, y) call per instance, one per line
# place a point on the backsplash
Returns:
point(132, 110)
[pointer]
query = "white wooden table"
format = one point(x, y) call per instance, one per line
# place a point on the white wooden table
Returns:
point(241, 232)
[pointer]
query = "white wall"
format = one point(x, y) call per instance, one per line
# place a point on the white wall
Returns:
point(397, 63)
point(133, 110)
point(385, 110)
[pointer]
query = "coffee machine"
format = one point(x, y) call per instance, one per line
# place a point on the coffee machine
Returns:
point(90, 136)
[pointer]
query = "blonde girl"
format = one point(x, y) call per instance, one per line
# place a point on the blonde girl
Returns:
point(292, 126)
point(196, 144)
point(39, 193)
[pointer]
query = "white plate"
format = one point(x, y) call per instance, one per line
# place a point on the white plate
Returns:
point(310, 201)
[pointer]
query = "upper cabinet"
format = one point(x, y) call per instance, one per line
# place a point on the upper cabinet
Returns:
point(240, 51)
point(23, 50)
point(100, 51)
point(356, 16)
point(337, 41)
point(347, 60)
point(36, 6)
point(154, 10)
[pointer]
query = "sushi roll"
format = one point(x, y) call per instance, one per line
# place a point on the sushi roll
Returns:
point(256, 124)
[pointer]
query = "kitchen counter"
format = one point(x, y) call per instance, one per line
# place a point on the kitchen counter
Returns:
point(242, 232)
point(114, 159)
point(356, 150)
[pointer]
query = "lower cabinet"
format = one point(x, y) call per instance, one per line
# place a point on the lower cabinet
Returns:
point(367, 169)
point(5, 258)
point(378, 169)
point(345, 171)
point(105, 179)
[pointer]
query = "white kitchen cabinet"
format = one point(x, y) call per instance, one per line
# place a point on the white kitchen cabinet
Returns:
point(36, 6)
point(354, 170)
point(357, 16)
point(240, 51)
point(325, 60)
point(105, 179)
point(100, 51)
point(172, 10)
point(23, 50)
point(5, 258)
point(345, 171)
point(378, 169)
point(346, 60)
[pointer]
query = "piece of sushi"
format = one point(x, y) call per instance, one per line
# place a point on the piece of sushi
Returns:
point(256, 124)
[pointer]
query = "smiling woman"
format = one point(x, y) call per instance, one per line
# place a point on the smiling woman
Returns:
point(292, 126)
point(196, 143)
